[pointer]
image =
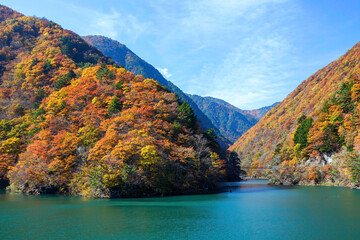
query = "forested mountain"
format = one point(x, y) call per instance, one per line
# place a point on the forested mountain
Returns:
point(230, 120)
point(259, 113)
point(74, 122)
point(312, 136)
point(125, 57)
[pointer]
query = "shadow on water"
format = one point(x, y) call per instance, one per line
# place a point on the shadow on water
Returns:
point(251, 186)
point(254, 210)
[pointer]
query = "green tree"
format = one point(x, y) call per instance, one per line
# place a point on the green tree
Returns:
point(65, 80)
point(104, 72)
point(233, 170)
point(114, 106)
point(211, 138)
point(302, 132)
point(186, 114)
point(118, 85)
point(331, 140)
point(343, 97)
point(352, 162)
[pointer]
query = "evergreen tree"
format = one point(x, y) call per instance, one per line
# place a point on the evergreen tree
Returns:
point(302, 131)
point(186, 114)
point(114, 106)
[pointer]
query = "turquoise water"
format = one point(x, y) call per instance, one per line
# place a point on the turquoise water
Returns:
point(252, 210)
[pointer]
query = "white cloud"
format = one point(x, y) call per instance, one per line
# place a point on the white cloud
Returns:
point(258, 54)
point(207, 21)
point(164, 72)
point(253, 73)
point(239, 50)
point(111, 24)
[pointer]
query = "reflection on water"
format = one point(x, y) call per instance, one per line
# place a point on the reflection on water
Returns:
point(255, 185)
point(247, 210)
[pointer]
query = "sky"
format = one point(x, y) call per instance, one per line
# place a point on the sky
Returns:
point(250, 53)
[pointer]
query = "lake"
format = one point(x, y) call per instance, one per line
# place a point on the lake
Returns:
point(252, 210)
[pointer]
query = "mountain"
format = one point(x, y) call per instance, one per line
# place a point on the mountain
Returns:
point(74, 122)
point(259, 113)
point(125, 57)
point(313, 135)
point(230, 120)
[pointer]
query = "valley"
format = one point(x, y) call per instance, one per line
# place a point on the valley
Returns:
point(179, 120)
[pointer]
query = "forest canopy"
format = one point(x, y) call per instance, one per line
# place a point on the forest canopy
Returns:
point(74, 122)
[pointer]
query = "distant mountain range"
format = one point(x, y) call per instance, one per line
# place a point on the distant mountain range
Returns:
point(228, 121)
point(259, 113)
point(231, 121)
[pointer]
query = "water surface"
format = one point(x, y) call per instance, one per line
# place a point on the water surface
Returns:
point(252, 210)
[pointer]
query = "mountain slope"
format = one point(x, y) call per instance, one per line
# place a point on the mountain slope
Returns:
point(313, 135)
point(230, 120)
point(124, 56)
point(73, 122)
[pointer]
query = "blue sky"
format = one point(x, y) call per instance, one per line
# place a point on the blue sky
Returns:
point(250, 53)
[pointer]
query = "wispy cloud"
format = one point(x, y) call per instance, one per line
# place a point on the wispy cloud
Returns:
point(257, 50)
point(239, 50)
point(111, 23)
point(255, 72)
point(165, 72)
point(248, 52)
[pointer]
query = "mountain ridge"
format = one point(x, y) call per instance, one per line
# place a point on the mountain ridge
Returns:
point(231, 121)
point(74, 122)
point(124, 56)
point(260, 112)
point(312, 136)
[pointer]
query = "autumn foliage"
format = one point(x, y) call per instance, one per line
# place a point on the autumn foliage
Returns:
point(74, 122)
point(315, 130)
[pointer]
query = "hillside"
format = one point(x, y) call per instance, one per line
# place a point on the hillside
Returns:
point(73, 122)
point(230, 120)
point(313, 135)
point(133, 63)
